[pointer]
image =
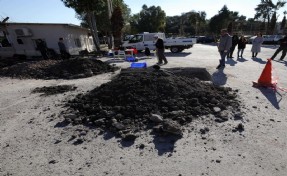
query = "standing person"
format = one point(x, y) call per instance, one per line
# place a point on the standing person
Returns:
point(224, 45)
point(234, 43)
point(256, 45)
point(63, 50)
point(282, 47)
point(160, 50)
point(241, 45)
point(42, 47)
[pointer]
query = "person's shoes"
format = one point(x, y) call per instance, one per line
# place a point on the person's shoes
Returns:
point(218, 67)
point(159, 63)
point(165, 62)
point(280, 59)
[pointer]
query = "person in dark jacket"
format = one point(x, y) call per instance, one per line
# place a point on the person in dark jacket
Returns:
point(282, 47)
point(241, 46)
point(63, 50)
point(234, 43)
point(160, 50)
point(41, 46)
point(224, 46)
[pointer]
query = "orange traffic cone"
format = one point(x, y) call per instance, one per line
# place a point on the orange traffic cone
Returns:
point(265, 79)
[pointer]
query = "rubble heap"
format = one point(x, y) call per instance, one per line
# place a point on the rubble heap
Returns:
point(150, 99)
point(57, 69)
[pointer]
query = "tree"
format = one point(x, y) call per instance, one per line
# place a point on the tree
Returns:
point(265, 11)
point(150, 19)
point(283, 23)
point(189, 23)
point(172, 25)
point(117, 22)
point(87, 8)
point(272, 23)
point(224, 18)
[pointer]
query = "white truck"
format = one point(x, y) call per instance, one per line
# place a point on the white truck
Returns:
point(146, 40)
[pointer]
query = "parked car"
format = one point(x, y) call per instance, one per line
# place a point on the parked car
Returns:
point(205, 39)
point(268, 39)
point(272, 39)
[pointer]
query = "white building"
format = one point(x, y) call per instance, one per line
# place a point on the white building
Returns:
point(20, 38)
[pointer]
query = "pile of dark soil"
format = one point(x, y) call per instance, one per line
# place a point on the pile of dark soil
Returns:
point(52, 90)
point(7, 62)
point(57, 69)
point(151, 99)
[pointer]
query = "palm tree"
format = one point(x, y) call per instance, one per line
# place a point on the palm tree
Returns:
point(266, 9)
point(283, 23)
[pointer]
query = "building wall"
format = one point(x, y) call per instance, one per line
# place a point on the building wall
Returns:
point(75, 38)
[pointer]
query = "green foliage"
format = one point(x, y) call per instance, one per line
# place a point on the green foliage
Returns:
point(150, 19)
point(83, 6)
point(266, 11)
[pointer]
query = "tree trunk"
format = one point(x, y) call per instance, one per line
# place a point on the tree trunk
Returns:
point(93, 28)
point(111, 37)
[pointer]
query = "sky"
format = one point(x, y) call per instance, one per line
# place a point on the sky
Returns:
point(54, 11)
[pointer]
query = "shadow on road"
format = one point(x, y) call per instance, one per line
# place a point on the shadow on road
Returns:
point(165, 144)
point(219, 78)
point(231, 62)
point(271, 95)
point(259, 60)
point(242, 59)
point(181, 54)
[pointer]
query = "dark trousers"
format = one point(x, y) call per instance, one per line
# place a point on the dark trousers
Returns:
point(283, 49)
point(65, 54)
point(240, 51)
point(223, 56)
point(231, 51)
point(44, 54)
point(160, 55)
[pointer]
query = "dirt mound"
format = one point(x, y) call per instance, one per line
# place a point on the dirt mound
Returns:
point(57, 69)
point(7, 62)
point(150, 99)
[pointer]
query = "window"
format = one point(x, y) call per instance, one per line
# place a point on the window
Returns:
point(137, 38)
point(78, 42)
point(20, 41)
point(4, 42)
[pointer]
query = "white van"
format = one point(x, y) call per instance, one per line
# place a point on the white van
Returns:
point(146, 40)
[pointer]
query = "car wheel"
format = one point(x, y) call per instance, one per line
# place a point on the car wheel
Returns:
point(174, 49)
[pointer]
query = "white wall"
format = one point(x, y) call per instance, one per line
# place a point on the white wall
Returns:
point(51, 34)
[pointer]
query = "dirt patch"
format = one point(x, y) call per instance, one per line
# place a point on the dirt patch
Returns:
point(52, 90)
point(57, 69)
point(144, 99)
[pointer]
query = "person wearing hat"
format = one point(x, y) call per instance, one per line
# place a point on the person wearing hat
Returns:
point(160, 50)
